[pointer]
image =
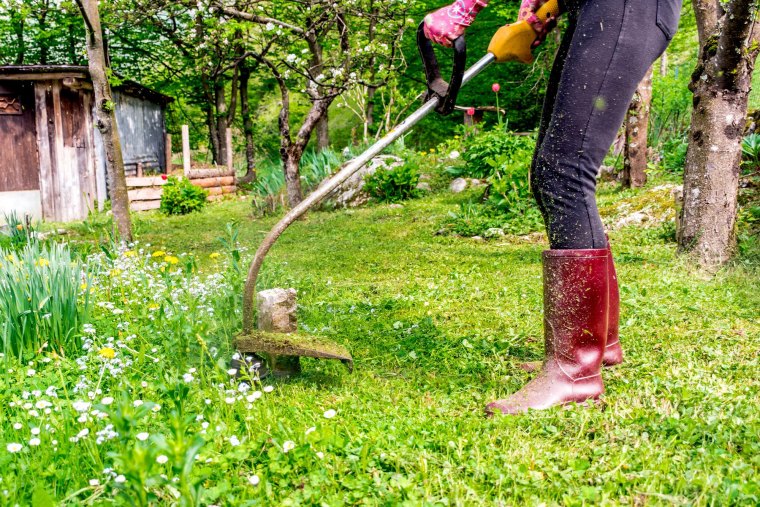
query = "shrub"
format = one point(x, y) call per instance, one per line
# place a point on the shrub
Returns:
point(180, 197)
point(490, 151)
point(751, 150)
point(393, 185)
point(46, 300)
point(503, 160)
point(674, 154)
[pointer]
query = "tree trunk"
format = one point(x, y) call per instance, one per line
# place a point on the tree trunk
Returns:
point(250, 160)
point(21, 53)
point(721, 84)
point(664, 64)
point(636, 128)
point(221, 122)
point(291, 159)
point(105, 119)
point(711, 174)
point(323, 134)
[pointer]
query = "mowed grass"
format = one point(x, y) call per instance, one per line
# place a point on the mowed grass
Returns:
point(438, 327)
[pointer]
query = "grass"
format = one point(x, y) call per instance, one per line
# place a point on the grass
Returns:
point(437, 327)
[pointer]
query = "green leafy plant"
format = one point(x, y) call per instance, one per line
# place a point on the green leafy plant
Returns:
point(46, 300)
point(674, 154)
point(751, 150)
point(486, 153)
point(21, 231)
point(393, 185)
point(180, 197)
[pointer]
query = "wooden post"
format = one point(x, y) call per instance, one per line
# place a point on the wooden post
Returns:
point(139, 170)
point(228, 140)
point(168, 154)
point(186, 148)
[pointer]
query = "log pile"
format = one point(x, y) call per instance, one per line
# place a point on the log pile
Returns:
point(145, 192)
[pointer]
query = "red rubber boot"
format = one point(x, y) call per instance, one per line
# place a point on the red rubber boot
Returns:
point(576, 299)
point(613, 353)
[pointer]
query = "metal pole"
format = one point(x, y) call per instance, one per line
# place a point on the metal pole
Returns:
point(333, 183)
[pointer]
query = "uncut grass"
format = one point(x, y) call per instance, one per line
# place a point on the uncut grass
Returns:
point(438, 327)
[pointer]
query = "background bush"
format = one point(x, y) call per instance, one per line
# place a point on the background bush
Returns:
point(180, 197)
point(45, 300)
point(393, 185)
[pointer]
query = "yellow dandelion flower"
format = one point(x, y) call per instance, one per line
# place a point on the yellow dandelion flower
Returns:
point(170, 259)
point(432, 150)
point(107, 352)
point(158, 253)
point(10, 257)
point(130, 253)
point(42, 263)
point(83, 286)
point(116, 272)
point(153, 306)
point(214, 255)
point(19, 227)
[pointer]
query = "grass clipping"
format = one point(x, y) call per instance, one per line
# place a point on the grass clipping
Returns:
point(293, 344)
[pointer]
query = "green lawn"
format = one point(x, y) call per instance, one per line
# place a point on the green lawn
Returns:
point(438, 327)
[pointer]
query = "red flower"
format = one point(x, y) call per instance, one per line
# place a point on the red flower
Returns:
point(471, 111)
point(495, 87)
point(164, 177)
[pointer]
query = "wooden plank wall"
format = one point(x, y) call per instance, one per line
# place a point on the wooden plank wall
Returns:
point(19, 164)
point(141, 128)
point(65, 143)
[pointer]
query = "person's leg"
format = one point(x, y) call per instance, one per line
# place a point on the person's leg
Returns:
point(570, 9)
point(614, 43)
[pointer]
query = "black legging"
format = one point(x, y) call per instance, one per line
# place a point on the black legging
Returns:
point(604, 54)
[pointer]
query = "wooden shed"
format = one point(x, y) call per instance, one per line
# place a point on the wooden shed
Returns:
point(52, 161)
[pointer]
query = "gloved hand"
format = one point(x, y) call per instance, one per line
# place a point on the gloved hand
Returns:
point(448, 23)
point(528, 11)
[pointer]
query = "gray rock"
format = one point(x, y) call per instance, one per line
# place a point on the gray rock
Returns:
point(396, 205)
point(424, 186)
point(458, 185)
point(277, 310)
point(479, 239)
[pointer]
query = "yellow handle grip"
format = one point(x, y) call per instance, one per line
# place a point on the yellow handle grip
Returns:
point(514, 42)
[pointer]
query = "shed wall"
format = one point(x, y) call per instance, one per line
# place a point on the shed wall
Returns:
point(141, 128)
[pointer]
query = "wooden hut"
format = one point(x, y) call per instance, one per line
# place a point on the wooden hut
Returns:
point(52, 160)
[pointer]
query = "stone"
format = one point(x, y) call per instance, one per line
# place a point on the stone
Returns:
point(424, 186)
point(277, 310)
point(494, 232)
point(478, 239)
point(396, 205)
point(458, 185)
point(277, 314)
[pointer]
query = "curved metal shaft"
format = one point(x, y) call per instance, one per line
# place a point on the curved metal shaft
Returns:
point(333, 183)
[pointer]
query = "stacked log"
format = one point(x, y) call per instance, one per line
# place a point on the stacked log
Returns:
point(145, 192)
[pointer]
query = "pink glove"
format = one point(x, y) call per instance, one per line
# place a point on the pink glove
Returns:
point(528, 11)
point(448, 23)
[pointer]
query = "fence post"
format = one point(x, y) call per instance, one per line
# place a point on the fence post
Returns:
point(186, 149)
point(228, 140)
point(168, 153)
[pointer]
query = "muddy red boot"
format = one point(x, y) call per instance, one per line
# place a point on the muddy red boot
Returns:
point(613, 353)
point(576, 299)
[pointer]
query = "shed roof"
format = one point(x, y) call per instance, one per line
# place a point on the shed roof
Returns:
point(40, 72)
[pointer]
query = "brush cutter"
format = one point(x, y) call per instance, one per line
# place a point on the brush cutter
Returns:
point(281, 350)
